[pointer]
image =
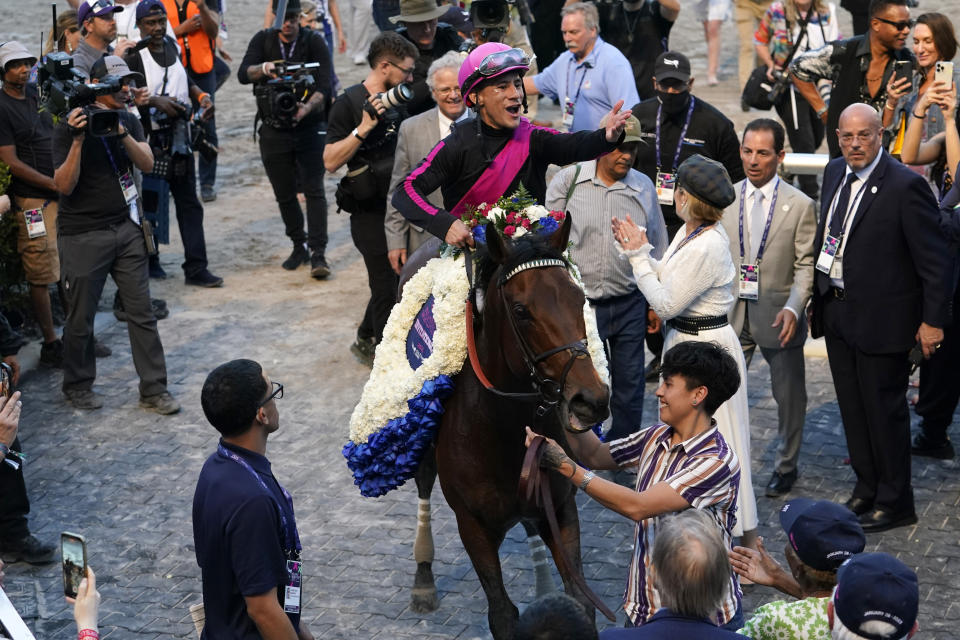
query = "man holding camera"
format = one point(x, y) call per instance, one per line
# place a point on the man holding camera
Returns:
point(363, 136)
point(291, 136)
point(168, 108)
point(100, 233)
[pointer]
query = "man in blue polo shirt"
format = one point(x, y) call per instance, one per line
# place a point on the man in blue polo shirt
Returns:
point(244, 528)
point(590, 77)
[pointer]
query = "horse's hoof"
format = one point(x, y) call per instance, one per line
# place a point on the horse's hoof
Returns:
point(424, 600)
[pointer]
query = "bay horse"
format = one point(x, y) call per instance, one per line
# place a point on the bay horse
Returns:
point(529, 335)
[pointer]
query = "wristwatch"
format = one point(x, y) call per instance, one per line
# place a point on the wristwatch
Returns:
point(822, 111)
point(356, 134)
point(587, 477)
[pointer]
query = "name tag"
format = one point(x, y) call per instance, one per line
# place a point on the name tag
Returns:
point(128, 186)
point(35, 225)
point(749, 282)
point(827, 254)
point(568, 114)
point(666, 185)
point(291, 593)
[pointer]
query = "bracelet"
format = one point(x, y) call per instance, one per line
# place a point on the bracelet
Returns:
point(88, 634)
point(4, 450)
point(263, 68)
point(356, 134)
point(587, 477)
point(205, 95)
point(822, 111)
point(921, 116)
point(887, 106)
point(123, 135)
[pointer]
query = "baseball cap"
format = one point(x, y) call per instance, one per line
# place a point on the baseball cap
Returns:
point(631, 129)
point(113, 66)
point(671, 64)
point(824, 534)
point(876, 586)
point(146, 7)
point(13, 50)
point(95, 8)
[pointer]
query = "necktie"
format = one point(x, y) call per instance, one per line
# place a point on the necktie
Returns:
point(843, 203)
point(758, 220)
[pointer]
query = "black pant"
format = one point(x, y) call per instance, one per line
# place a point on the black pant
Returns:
point(876, 420)
point(85, 261)
point(293, 160)
point(806, 135)
point(190, 221)
point(14, 505)
point(208, 168)
point(371, 241)
point(939, 382)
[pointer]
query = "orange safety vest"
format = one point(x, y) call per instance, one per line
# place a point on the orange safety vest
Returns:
point(196, 48)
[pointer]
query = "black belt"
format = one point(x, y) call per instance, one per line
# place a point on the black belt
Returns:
point(693, 326)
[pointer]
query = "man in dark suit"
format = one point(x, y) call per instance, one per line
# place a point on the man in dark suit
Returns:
point(880, 286)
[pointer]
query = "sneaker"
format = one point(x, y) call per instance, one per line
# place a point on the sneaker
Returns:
point(51, 354)
point(298, 256)
point(364, 349)
point(156, 271)
point(204, 279)
point(101, 350)
point(162, 403)
point(208, 193)
point(27, 549)
point(86, 399)
point(319, 268)
point(921, 446)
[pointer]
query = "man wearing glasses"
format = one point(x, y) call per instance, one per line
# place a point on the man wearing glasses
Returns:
point(292, 142)
point(363, 135)
point(859, 67)
point(244, 527)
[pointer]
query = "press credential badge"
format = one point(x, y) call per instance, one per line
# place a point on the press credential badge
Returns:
point(291, 594)
point(35, 225)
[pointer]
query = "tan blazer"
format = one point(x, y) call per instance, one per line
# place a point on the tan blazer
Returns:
point(786, 268)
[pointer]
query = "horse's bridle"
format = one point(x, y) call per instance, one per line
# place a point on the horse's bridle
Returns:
point(548, 392)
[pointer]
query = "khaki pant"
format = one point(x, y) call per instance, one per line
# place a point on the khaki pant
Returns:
point(41, 262)
point(747, 15)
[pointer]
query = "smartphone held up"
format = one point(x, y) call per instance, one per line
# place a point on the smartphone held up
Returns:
point(73, 550)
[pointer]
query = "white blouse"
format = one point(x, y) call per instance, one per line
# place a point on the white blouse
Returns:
point(694, 281)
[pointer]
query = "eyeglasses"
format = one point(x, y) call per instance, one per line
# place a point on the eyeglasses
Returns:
point(446, 91)
point(862, 138)
point(405, 70)
point(277, 393)
point(899, 26)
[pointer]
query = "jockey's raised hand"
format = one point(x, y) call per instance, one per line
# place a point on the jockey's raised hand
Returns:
point(459, 235)
point(616, 120)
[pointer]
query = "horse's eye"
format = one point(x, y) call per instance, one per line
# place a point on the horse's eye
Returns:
point(520, 311)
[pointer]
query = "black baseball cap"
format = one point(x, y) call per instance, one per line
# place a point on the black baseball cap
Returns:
point(876, 586)
point(671, 65)
point(823, 534)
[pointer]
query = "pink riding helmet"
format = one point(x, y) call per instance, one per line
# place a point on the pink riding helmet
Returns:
point(489, 61)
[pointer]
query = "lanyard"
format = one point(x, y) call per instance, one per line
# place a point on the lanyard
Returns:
point(586, 67)
point(287, 54)
point(683, 133)
point(766, 226)
point(854, 202)
point(693, 234)
point(113, 162)
point(289, 529)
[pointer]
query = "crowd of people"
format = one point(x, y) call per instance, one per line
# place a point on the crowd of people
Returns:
point(675, 215)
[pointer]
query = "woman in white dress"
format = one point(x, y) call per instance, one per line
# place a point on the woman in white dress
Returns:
point(691, 289)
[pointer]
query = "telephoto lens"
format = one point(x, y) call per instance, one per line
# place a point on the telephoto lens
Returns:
point(393, 98)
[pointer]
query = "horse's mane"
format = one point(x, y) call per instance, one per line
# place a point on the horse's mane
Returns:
point(523, 249)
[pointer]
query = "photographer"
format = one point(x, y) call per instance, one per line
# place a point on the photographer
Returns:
point(291, 106)
point(363, 135)
point(99, 233)
point(420, 25)
point(167, 113)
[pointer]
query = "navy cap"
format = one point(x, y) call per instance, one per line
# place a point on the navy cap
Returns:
point(95, 9)
point(146, 7)
point(824, 534)
point(707, 180)
point(876, 586)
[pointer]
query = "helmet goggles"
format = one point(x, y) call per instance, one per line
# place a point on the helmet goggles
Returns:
point(495, 64)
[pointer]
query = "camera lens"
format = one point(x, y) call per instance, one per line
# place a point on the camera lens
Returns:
point(400, 94)
point(285, 103)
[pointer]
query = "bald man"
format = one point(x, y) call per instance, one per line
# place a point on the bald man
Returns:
point(880, 288)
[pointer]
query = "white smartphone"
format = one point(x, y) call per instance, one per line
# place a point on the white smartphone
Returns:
point(73, 549)
point(944, 73)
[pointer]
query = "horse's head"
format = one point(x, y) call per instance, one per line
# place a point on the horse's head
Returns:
point(536, 312)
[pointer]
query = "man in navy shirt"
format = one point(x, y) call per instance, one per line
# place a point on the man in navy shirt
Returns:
point(244, 528)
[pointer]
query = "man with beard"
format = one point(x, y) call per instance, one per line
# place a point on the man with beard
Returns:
point(675, 125)
point(419, 24)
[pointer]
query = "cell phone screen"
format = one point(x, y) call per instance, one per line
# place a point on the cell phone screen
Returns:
point(6, 380)
point(73, 549)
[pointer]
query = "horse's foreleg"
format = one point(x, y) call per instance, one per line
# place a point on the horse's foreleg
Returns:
point(541, 562)
point(423, 596)
point(569, 543)
point(482, 546)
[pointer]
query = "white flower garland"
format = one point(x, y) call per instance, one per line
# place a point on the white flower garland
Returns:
point(393, 381)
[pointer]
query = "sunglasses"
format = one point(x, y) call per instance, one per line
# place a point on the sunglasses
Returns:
point(899, 26)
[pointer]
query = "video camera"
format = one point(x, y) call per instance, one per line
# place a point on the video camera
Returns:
point(278, 99)
point(491, 17)
point(63, 89)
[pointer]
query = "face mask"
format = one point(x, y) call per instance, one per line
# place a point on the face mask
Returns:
point(673, 103)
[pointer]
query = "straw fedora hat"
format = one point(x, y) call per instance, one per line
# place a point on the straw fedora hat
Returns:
point(418, 11)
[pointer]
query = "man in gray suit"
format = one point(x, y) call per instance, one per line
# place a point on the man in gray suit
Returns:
point(771, 226)
point(418, 135)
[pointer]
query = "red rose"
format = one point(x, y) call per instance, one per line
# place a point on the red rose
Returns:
point(509, 230)
point(525, 223)
point(511, 218)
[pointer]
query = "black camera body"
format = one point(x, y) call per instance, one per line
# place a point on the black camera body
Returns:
point(63, 89)
point(781, 85)
point(490, 16)
point(391, 99)
point(279, 99)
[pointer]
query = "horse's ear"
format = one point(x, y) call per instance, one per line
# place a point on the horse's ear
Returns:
point(561, 236)
point(495, 244)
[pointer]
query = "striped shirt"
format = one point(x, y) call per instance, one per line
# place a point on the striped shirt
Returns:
point(705, 471)
point(592, 205)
